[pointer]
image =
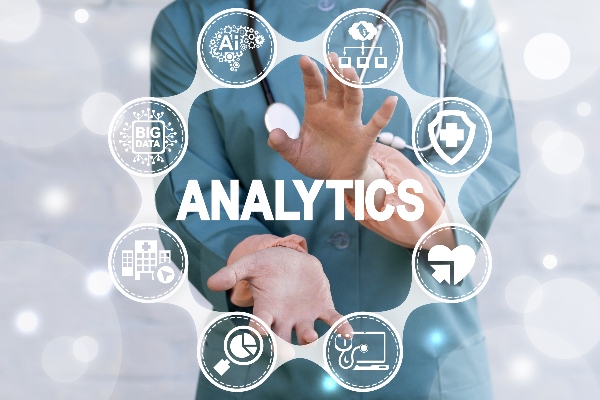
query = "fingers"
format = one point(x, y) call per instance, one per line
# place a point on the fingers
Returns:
point(382, 116)
point(335, 88)
point(283, 330)
point(227, 277)
point(264, 316)
point(330, 317)
point(353, 97)
point(313, 81)
point(241, 295)
point(288, 148)
point(305, 332)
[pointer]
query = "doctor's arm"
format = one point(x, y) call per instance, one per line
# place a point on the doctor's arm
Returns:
point(475, 73)
point(278, 272)
point(334, 144)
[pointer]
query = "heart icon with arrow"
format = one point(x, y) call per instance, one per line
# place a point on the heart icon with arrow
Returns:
point(451, 266)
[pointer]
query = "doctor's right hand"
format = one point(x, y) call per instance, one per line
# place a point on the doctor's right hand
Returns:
point(333, 142)
point(289, 288)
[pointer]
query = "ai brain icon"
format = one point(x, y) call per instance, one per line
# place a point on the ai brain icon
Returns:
point(225, 44)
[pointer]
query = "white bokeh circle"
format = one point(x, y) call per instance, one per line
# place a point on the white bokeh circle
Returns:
point(27, 322)
point(562, 152)
point(82, 15)
point(43, 107)
point(557, 195)
point(519, 294)
point(55, 201)
point(542, 130)
point(85, 348)
point(522, 368)
point(547, 56)
point(141, 57)
point(576, 23)
point(550, 261)
point(98, 111)
point(99, 283)
point(19, 19)
point(520, 372)
point(59, 361)
point(567, 322)
point(50, 285)
point(584, 109)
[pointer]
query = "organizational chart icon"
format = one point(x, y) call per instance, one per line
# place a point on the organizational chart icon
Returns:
point(226, 43)
point(237, 352)
point(366, 40)
point(148, 136)
point(142, 269)
point(460, 135)
point(369, 359)
point(442, 272)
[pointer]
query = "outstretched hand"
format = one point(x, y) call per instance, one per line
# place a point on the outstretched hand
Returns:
point(333, 142)
point(289, 288)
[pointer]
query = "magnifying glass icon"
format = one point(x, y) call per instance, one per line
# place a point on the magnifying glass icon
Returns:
point(243, 345)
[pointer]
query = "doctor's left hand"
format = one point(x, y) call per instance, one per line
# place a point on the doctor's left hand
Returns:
point(289, 288)
point(333, 142)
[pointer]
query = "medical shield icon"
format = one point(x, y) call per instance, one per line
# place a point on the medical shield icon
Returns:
point(451, 135)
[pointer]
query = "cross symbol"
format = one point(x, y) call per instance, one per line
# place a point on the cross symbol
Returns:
point(146, 246)
point(451, 134)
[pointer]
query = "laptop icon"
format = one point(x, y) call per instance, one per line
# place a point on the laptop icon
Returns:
point(365, 351)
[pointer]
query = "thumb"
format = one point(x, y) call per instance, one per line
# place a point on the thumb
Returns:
point(287, 148)
point(227, 277)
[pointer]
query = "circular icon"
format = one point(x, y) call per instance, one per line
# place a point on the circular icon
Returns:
point(237, 352)
point(442, 273)
point(135, 257)
point(165, 274)
point(148, 136)
point(226, 45)
point(452, 137)
point(368, 360)
point(375, 52)
point(243, 345)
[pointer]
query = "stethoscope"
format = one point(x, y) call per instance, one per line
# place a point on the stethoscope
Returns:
point(344, 346)
point(280, 115)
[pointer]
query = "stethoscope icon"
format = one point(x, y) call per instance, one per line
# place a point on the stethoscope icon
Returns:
point(344, 346)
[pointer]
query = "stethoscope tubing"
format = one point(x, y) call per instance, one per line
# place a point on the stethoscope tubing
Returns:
point(436, 18)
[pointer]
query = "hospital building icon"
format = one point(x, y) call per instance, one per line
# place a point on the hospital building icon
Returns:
point(144, 259)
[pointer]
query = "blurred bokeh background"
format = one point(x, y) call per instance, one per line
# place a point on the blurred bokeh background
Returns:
point(66, 66)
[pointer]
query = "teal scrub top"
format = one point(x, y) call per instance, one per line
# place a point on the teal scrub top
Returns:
point(228, 140)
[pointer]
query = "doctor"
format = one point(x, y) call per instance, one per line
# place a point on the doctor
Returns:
point(301, 276)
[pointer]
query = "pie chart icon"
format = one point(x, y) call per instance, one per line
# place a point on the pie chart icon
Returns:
point(243, 345)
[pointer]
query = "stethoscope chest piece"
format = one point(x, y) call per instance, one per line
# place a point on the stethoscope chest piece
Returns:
point(279, 115)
